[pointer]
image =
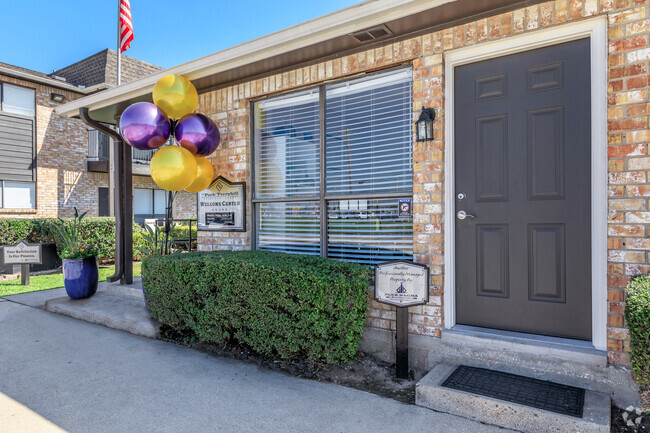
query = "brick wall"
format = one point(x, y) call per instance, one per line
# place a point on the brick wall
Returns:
point(62, 178)
point(629, 190)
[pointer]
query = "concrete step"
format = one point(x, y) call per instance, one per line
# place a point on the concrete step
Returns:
point(125, 313)
point(133, 291)
point(431, 394)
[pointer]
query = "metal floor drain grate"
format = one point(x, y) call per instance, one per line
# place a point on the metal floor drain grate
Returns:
point(567, 400)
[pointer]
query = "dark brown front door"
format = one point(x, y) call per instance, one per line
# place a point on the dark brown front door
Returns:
point(522, 161)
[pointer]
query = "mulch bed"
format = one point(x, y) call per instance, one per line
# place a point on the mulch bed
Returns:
point(364, 372)
point(619, 424)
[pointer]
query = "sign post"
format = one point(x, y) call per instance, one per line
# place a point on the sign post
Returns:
point(402, 284)
point(23, 254)
point(222, 206)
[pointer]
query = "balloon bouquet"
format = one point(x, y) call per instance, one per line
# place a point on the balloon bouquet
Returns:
point(182, 165)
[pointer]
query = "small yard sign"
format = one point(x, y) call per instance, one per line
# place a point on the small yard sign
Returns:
point(402, 284)
point(23, 254)
point(222, 206)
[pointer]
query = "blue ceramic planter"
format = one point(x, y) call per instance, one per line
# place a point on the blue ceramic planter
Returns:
point(81, 277)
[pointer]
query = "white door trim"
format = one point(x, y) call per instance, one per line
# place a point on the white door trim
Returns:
point(596, 30)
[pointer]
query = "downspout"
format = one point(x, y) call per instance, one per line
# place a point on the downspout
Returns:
point(119, 197)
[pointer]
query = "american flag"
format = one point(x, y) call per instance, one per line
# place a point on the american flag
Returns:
point(126, 26)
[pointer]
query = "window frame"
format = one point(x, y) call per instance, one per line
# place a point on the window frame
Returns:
point(2, 100)
point(34, 146)
point(152, 192)
point(322, 197)
point(3, 195)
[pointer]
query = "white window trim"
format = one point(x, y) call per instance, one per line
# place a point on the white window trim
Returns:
point(596, 30)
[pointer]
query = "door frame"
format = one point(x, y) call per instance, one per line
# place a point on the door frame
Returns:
point(596, 30)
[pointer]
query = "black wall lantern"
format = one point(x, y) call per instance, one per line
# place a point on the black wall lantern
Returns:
point(57, 97)
point(424, 125)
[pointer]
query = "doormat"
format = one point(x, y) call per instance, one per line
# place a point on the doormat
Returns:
point(541, 394)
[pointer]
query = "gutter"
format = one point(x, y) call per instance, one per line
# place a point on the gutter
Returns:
point(53, 82)
point(123, 202)
point(345, 21)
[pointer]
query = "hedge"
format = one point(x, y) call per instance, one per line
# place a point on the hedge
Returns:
point(637, 317)
point(292, 307)
point(99, 231)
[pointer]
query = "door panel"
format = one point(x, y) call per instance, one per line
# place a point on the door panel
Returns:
point(523, 160)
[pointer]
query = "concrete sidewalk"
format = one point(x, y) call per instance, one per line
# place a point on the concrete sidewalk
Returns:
point(87, 378)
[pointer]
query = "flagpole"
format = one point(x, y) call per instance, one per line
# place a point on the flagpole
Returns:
point(119, 51)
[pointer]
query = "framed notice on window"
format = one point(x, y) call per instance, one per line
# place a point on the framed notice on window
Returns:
point(222, 206)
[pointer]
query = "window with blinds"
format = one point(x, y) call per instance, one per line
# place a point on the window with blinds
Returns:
point(360, 132)
point(368, 135)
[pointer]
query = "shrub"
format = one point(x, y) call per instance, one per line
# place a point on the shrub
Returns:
point(13, 230)
point(140, 242)
point(293, 307)
point(637, 316)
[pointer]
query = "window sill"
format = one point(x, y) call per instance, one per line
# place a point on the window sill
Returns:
point(18, 211)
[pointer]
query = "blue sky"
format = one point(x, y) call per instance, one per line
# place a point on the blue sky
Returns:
point(45, 35)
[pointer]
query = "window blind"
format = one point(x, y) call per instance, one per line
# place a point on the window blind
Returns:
point(287, 146)
point(289, 227)
point(367, 151)
point(368, 231)
point(368, 135)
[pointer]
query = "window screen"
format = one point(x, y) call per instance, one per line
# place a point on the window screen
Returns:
point(367, 154)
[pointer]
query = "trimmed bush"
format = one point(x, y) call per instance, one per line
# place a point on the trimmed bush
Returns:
point(293, 307)
point(13, 230)
point(637, 317)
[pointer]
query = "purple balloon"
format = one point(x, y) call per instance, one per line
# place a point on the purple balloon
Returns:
point(198, 134)
point(144, 126)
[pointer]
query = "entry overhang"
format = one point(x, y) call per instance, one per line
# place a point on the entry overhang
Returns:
point(329, 36)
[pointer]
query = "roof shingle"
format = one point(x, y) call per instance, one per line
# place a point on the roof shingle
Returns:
point(102, 68)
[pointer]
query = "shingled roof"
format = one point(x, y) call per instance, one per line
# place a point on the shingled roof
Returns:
point(102, 68)
point(24, 70)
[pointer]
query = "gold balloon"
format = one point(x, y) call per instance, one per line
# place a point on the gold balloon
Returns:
point(173, 168)
point(204, 175)
point(175, 95)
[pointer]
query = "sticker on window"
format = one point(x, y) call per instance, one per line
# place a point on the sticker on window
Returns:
point(405, 208)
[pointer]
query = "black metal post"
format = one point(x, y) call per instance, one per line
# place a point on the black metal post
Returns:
point(402, 344)
point(189, 247)
point(127, 214)
point(168, 219)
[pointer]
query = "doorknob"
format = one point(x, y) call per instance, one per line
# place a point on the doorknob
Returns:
point(461, 215)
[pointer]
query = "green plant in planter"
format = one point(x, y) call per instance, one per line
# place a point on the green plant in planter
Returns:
point(79, 252)
point(73, 245)
point(80, 273)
